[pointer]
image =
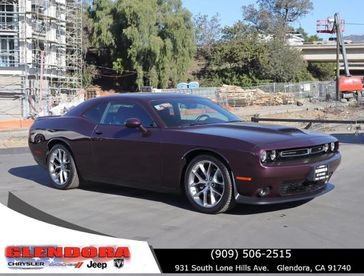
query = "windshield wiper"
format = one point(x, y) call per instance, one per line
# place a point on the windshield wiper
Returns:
point(197, 124)
point(202, 124)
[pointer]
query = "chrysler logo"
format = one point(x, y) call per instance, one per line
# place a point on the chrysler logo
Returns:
point(119, 263)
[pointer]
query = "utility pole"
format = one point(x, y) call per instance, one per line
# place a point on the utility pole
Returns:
point(332, 26)
point(337, 29)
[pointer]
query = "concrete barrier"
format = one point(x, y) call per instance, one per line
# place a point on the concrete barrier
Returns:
point(15, 123)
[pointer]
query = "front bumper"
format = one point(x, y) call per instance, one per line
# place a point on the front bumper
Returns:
point(287, 182)
point(283, 199)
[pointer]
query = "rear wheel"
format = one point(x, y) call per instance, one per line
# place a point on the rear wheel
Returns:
point(208, 185)
point(62, 169)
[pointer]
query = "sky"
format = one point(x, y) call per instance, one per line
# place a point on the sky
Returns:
point(352, 11)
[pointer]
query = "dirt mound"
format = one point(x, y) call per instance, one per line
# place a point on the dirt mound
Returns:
point(237, 96)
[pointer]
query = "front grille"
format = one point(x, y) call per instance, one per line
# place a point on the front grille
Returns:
point(301, 152)
point(299, 187)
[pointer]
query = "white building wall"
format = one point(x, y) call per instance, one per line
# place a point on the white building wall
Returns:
point(54, 56)
point(54, 33)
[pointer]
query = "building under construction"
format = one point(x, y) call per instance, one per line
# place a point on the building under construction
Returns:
point(41, 55)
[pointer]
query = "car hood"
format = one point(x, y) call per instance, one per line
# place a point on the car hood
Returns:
point(263, 135)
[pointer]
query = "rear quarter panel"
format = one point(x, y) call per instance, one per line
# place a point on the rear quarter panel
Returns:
point(75, 132)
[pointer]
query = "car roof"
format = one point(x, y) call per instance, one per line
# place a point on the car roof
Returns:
point(143, 97)
point(150, 96)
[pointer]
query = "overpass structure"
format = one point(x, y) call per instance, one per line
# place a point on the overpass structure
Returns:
point(326, 52)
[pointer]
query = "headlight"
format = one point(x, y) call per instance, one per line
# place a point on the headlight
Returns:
point(268, 156)
point(332, 146)
point(273, 155)
point(326, 147)
point(263, 156)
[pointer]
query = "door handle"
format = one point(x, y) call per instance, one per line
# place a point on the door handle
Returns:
point(98, 132)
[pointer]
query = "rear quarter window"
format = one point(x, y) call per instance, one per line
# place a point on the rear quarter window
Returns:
point(94, 114)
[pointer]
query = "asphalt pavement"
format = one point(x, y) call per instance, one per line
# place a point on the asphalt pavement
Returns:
point(335, 220)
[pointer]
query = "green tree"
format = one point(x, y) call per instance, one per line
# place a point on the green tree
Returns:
point(149, 41)
point(283, 64)
point(322, 70)
point(234, 58)
point(88, 75)
point(242, 57)
point(88, 71)
point(238, 31)
point(207, 32)
point(275, 16)
point(179, 47)
point(102, 24)
point(308, 38)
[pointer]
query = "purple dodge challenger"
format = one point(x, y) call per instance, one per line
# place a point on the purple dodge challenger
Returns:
point(174, 143)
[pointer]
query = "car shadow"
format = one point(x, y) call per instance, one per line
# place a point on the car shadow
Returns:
point(34, 173)
point(350, 138)
point(37, 174)
point(247, 209)
point(170, 199)
point(181, 201)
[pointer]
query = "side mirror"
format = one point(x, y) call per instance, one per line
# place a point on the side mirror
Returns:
point(135, 123)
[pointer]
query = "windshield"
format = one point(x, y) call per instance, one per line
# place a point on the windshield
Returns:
point(181, 112)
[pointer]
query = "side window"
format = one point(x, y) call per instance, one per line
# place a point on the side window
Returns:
point(168, 113)
point(117, 113)
point(193, 111)
point(95, 113)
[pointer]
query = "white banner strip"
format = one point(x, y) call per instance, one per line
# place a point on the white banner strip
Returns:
point(31, 246)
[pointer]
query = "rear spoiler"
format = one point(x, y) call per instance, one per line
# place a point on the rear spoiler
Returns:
point(47, 117)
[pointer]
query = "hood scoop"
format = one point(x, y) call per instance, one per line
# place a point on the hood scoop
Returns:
point(277, 129)
point(287, 130)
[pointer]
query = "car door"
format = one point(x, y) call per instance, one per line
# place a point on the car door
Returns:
point(123, 155)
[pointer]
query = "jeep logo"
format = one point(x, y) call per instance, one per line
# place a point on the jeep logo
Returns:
point(97, 265)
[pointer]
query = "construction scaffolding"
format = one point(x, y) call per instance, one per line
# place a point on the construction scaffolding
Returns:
point(41, 44)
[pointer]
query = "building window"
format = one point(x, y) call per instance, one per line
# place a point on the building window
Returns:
point(8, 53)
point(8, 18)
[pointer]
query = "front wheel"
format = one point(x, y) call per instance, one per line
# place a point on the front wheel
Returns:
point(62, 169)
point(208, 185)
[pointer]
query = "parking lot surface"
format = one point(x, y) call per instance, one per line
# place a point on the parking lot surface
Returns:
point(335, 220)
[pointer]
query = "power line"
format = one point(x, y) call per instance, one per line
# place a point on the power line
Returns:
point(111, 69)
point(116, 76)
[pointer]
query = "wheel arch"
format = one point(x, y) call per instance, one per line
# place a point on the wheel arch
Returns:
point(63, 142)
point(188, 157)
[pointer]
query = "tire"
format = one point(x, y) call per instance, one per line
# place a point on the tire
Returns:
point(62, 168)
point(208, 185)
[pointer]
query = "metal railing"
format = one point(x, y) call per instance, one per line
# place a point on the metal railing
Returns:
point(256, 119)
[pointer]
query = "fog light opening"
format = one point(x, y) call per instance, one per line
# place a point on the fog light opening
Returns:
point(263, 192)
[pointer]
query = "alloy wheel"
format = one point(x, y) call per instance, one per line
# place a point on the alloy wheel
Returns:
point(59, 166)
point(206, 184)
